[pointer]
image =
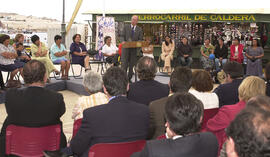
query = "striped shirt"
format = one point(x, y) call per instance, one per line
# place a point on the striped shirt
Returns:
point(87, 102)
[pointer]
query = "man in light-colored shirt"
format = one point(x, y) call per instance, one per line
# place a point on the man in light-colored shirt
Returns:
point(93, 84)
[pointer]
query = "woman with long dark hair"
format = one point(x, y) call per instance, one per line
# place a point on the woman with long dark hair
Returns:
point(254, 54)
point(167, 53)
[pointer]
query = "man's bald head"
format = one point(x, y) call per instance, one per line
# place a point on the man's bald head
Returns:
point(134, 20)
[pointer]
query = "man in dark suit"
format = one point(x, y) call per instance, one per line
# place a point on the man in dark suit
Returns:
point(147, 89)
point(120, 120)
point(33, 106)
point(228, 93)
point(180, 81)
point(184, 113)
point(130, 32)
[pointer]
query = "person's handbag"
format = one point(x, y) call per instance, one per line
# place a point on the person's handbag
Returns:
point(92, 52)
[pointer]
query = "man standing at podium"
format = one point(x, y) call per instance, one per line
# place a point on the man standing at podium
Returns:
point(131, 32)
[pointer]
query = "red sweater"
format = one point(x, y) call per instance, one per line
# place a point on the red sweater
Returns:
point(240, 53)
point(222, 120)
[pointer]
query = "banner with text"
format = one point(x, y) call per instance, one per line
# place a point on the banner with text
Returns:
point(185, 17)
point(105, 27)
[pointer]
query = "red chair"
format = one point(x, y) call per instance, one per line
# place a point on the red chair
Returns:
point(208, 114)
point(31, 142)
point(125, 149)
point(76, 126)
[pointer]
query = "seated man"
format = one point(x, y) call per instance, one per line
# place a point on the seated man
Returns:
point(120, 120)
point(180, 81)
point(147, 89)
point(184, 53)
point(184, 113)
point(228, 93)
point(249, 132)
point(93, 83)
point(33, 106)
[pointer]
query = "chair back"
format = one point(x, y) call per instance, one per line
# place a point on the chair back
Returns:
point(125, 149)
point(208, 114)
point(76, 125)
point(31, 142)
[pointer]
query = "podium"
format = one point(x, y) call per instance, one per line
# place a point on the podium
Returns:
point(135, 44)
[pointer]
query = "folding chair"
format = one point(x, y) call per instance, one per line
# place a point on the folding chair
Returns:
point(98, 59)
point(125, 149)
point(31, 142)
point(72, 69)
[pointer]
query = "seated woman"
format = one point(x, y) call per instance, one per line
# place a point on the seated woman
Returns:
point(206, 50)
point(40, 52)
point(8, 60)
point(110, 51)
point(148, 51)
point(202, 86)
point(79, 53)
point(167, 53)
point(237, 51)
point(58, 56)
point(254, 55)
point(221, 54)
point(18, 46)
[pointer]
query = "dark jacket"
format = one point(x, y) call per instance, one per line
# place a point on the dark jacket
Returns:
point(157, 118)
point(126, 34)
point(33, 107)
point(120, 120)
point(228, 93)
point(146, 91)
point(197, 145)
point(221, 52)
point(184, 50)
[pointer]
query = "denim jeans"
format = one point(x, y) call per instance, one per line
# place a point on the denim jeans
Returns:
point(218, 65)
point(185, 61)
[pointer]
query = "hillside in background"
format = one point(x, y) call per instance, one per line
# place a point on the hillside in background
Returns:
point(16, 22)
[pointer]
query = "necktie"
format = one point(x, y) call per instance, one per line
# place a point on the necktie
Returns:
point(132, 31)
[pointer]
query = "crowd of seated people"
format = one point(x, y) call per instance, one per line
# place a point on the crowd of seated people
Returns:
point(169, 115)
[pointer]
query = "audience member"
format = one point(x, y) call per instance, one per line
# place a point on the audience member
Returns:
point(22, 56)
point(221, 54)
point(93, 84)
point(147, 89)
point(18, 46)
point(40, 52)
point(184, 53)
point(250, 87)
point(184, 113)
point(120, 120)
point(228, 93)
point(58, 56)
point(254, 54)
point(8, 60)
point(110, 51)
point(167, 53)
point(33, 106)
point(237, 51)
point(206, 50)
point(149, 50)
point(267, 78)
point(180, 81)
point(79, 53)
point(248, 134)
point(202, 84)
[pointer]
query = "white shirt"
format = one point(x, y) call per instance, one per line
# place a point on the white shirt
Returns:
point(109, 50)
point(236, 51)
point(10, 49)
point(134, 27)
point(209, 100)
